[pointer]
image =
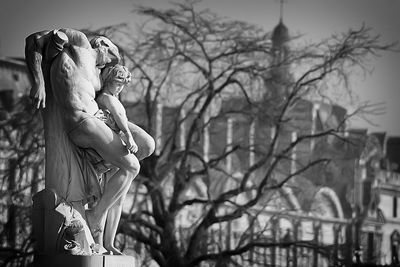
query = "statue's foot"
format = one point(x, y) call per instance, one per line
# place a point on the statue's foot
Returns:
point(95, 228)
point(99, 249)
point(113, 251)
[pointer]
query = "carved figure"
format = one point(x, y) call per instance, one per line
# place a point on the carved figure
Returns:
point(114, 78)
point(65, 70)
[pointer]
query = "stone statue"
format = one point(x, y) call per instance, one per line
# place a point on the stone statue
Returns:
point(113, 113)
point(65, 69)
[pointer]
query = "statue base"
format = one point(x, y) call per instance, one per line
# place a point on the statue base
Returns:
point(64, 260)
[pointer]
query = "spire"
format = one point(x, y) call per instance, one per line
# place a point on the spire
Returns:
point(280, 34)
point(280, 49)
point(281, 11)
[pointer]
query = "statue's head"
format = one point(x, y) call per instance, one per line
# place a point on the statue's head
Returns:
point(115, 75)
point(107, 52)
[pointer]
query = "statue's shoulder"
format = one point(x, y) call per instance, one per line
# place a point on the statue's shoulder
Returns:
point(64, 66)
point(75, 56)
point(76, 38)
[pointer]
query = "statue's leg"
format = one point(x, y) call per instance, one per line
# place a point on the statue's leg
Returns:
point(144, 141)
point(99, 239)
point(93, 133)
point(113, 218)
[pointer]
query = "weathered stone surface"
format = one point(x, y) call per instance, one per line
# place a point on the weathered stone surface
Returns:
point(46, 221)
point(61, 260)
point(55, 224)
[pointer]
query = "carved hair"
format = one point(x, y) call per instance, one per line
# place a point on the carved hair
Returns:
point(98, 41)
point(104, 43)
point(116, 73)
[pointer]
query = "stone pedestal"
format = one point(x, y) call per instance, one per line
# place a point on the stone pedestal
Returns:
point(63, 260)
point(56, 223)
point(47, 225)
point(46, 221)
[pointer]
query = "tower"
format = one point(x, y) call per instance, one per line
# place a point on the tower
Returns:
point(279, 76)
point(280, 38)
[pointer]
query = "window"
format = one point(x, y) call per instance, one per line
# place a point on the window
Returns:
point(7, 99)
point(394, 207)
point(394, 244)
point(370, 247)
point(15, 77)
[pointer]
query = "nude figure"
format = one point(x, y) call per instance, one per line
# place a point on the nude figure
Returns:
point(66, 60)
point(114, 78)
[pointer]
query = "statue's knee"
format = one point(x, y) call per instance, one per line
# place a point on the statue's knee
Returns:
point(133, 167)
point(150, 146)
point(147, 148)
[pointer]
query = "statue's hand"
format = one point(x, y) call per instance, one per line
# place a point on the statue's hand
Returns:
point(131, 144)
point(38, 96)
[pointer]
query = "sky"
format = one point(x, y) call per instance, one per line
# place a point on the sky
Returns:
point(313, 19)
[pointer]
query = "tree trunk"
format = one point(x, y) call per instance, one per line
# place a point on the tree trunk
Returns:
point(11, 225)
point(170, 249)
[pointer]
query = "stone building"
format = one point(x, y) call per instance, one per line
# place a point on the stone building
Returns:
point(14, 83)
point(340, 208)
point(388, 186)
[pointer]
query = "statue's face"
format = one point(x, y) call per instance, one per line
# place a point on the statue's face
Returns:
point(107, 53)
point(116, 88)
point(114, 78)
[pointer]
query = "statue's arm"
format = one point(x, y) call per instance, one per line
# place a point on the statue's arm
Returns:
point(34, 51)
point(118, 112)
point(116, 109)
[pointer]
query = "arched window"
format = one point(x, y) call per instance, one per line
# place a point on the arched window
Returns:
point(327, 204)
point(394, 244)
point(7, 99)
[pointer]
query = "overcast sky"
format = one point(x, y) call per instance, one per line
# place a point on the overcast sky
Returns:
point(315, 19)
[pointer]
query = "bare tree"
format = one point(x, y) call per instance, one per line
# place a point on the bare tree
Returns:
point(22, 158)
point(225, 107)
